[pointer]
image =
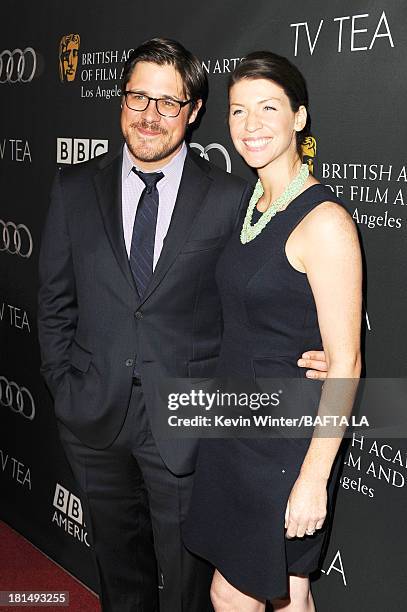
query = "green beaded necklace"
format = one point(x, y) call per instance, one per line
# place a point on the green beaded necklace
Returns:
point(249, 231)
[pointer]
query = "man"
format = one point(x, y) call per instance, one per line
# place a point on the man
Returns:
point(128, 297)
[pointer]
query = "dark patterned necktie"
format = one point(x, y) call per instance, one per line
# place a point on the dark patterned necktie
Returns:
point(142, 241)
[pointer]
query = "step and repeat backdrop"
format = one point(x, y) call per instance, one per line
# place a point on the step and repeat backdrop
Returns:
point(60, 69)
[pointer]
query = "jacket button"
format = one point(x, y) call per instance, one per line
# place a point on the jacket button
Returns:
point(138, 314)
point(129, 362)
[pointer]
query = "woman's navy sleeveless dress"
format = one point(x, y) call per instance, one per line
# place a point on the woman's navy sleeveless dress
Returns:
point(241, 487)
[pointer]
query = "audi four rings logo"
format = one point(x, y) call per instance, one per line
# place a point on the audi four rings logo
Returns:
point(213, 145)
point(15, 239)
point(19, 399)
point(18, 66)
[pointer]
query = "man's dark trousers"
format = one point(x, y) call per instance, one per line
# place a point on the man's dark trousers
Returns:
point(124, 485)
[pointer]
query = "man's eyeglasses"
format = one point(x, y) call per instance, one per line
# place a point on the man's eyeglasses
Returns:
point(167, 107)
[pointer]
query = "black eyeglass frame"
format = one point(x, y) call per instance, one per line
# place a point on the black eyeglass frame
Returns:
point(181, 103)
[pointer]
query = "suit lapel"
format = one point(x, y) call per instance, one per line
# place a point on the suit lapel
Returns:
point(108, 184)
point(193, 188)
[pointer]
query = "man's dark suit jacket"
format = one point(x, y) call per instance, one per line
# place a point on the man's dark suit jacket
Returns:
point(92, 324)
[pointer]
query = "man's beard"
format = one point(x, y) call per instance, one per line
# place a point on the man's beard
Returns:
point(147, 152)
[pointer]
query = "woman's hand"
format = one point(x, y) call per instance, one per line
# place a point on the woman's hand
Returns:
point(306, 506)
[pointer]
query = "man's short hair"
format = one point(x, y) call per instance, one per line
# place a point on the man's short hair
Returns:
point(164, 51)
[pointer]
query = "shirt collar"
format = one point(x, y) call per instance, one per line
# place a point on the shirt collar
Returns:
point(171, 169)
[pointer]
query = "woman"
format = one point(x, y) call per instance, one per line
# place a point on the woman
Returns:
point(290, 278)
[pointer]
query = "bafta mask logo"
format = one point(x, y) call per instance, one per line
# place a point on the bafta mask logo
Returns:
point(309, 152)
point(68, 57)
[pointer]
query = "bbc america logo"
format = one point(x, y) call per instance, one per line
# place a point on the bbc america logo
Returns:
point(69, 514)
point(18, 399)
point(79, 150)
point(68, 503)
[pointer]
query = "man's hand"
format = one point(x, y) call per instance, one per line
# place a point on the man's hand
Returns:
point(316, 364)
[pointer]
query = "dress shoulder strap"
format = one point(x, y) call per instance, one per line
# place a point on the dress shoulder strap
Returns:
point(304, 203)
